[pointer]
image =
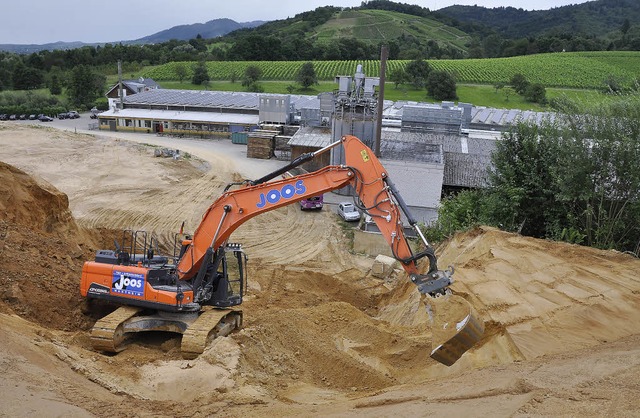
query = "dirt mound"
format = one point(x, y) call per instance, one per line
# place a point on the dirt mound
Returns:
point(41, 252)
point(542, 297)
point(33, 202)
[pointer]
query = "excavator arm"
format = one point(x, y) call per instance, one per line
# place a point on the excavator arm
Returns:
point(377, 196)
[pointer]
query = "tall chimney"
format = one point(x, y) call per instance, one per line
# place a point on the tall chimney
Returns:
point(383, 70)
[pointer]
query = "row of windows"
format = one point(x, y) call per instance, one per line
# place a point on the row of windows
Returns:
point(186, 126)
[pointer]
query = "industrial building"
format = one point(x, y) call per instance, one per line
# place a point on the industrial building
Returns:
point(201, 113)
point(430, 149)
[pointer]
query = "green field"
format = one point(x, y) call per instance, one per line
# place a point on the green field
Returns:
point(576, 75)
point(581, 70)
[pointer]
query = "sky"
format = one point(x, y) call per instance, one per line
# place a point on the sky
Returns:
point(44, 21)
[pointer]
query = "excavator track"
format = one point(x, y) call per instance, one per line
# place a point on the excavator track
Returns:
point(210, 324)
point(108, 333)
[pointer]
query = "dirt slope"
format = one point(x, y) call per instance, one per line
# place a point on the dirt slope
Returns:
point(321, 337)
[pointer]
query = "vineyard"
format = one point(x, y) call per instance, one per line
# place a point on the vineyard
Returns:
point(572, 69)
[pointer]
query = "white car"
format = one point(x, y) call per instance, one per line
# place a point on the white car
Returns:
point(348, 211)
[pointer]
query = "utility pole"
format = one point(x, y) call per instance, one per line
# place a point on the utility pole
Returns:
point(383, 69)
point(120, 91)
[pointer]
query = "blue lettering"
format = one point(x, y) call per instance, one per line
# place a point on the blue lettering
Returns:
point(287, 191)
point(300, 189)
point(127, 283)
point(262, 201)
point(273, 196)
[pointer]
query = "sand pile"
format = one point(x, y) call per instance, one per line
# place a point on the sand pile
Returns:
point(33, 202)
point(41, 252)
point(542, 297)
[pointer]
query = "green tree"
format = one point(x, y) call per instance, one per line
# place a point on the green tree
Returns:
point(417, 72)
point(198, 43)
point(26, 78)
point(458, 213)
point(599, 178)
point(54, 85)
point(250, 79)
point(536, 93)
point(626, 25)
point(519, 83)
point(200, 73)
point(306, 76)
point(181, 71)
point(441, 86)
point(398, 77)
point(522, 191)
point(85, 86)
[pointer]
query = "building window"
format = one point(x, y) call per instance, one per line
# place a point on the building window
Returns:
point(147, 124)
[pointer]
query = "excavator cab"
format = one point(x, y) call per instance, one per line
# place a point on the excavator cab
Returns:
point(229, 284)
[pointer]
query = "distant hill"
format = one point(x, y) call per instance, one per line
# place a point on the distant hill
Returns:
point(381, 25)
point(211, 29)
point(594, 18)
point(31, 48)
point(330, 32)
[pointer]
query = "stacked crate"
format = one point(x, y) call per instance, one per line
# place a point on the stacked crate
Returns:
point(261, 144)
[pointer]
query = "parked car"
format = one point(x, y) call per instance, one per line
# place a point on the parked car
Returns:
point(62, 115)
point(72, 114)
point(13, 117)
point(314, 202)
point(33, 117)
point(23, 117)
point(4, 117)
point(348, 211)
point(45, 118)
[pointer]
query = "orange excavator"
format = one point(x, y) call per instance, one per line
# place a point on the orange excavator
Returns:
point(195, 291)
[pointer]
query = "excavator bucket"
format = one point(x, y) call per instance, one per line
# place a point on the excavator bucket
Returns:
point(455, 327)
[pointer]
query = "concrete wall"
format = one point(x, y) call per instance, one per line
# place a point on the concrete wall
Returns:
point(419, 184)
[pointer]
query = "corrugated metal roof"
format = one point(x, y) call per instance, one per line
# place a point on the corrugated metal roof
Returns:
point(466, 170)
point(312, 137)
point(213, 99)
point(411, 151)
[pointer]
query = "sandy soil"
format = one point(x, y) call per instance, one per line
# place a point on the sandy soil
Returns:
point(322, 337)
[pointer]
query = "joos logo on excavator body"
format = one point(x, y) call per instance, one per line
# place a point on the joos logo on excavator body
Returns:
point(127, 283)
point(285, 192)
